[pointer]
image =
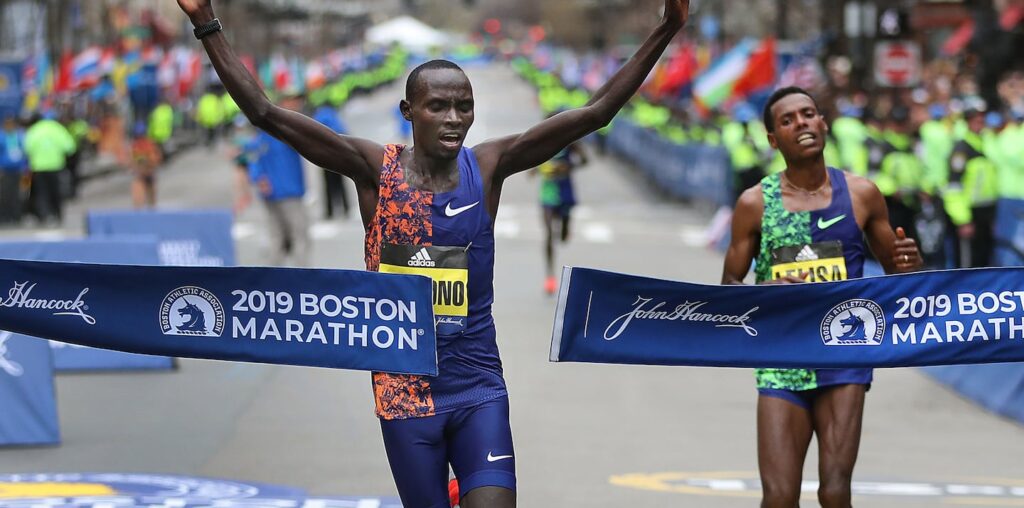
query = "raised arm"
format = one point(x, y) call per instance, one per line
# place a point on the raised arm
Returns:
point(355, 158)
point(519, 152)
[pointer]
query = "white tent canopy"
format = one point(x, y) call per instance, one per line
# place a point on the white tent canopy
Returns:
point(407, 31)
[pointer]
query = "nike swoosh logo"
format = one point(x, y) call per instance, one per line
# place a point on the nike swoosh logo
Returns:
point(492, 458)
point(452, 212)
point(825, 224)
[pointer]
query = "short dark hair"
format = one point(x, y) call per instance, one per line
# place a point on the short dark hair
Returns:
point(412, 84)
point(769, 120)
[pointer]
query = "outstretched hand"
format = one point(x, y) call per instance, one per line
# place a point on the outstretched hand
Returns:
point(905, 253)
point(676, 11)
point(196, 9)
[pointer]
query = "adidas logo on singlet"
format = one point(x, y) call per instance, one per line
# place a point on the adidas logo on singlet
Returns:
point(806, 254)
point(422, 260)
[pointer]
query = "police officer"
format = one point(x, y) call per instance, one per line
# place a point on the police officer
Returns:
point(901, 176)
point(738, 139)
point(971, 194)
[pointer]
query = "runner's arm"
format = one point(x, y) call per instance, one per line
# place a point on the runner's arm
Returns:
point(355, 158)
point(746, 236)
point(896, 252)
point(519, 152)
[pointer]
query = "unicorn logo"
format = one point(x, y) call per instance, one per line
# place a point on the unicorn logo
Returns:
point(196, 322)
point(856, 322)
point(7, 365)
point(192, 311)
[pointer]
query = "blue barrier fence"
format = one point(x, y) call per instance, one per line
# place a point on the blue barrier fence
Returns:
point(997, 387)
point(29, 414)
point(187, 237)
point(694, 172)
point(140, 250)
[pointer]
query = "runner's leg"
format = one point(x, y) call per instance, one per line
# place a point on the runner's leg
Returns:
point(838, 414)
point(481, 452)
point(784, 431)
point(416, 450)
point(565, 216)
point(550, 283)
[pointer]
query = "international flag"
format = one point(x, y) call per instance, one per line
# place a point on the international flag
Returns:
point(65, 71)
point(85, 68)
point(748, 66)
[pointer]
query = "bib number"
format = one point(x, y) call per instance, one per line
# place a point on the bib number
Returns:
point(813, 262)
point(448, 269)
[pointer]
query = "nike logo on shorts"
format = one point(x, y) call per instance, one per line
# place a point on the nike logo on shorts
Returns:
point(452, 212)
point(825, 224)
point(495, 458)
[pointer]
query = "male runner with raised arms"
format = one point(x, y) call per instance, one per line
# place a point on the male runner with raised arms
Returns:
point(429, 209)
point(808, 224)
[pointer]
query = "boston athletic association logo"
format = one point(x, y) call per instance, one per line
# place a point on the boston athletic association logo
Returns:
point(191, 311)
point(856, 322)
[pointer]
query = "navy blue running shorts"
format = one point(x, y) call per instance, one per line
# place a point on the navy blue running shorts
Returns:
point(477, 441)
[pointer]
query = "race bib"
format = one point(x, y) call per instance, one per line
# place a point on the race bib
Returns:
point(815, 262)
point(447, 267)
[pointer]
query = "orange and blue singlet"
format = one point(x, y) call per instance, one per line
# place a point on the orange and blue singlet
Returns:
point(459, 417)
point(448, 236)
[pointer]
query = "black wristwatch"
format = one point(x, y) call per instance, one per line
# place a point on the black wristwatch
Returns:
point(207, 28)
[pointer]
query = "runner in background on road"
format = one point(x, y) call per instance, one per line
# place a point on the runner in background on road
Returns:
point(146, 160)
point(557, 198)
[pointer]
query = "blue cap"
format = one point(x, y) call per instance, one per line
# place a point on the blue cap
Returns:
point(937, 111)
point(993, 119)
point(851, 111)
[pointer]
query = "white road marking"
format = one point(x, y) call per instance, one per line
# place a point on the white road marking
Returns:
point(598, 232)
point(506, 228)
point(242, 230)
point(324, 230)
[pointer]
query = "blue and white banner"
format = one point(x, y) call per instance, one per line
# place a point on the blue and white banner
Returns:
point(29, 408)
point(134, 250)
point(187, 237)
point(321, 318)
point(926, 318)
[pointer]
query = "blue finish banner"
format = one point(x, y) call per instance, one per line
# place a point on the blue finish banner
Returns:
point(926, 318)
point(133, 250)
point(29, 414)
point(187, 237)
point(320, 318)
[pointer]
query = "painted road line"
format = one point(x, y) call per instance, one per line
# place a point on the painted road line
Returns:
point(986, 492)
point(242, 230)
point(506, 228)
point(598, 232)
point(324, 230)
